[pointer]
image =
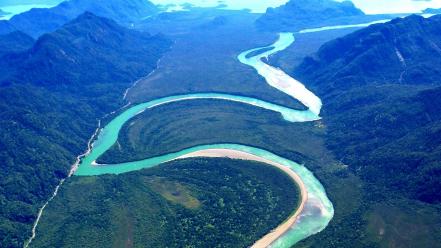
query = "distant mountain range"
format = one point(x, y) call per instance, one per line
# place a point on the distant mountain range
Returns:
point(51, 95)
point(301, 14)
point(381, 93)
point(3, 13)
point(39, 21)
point(432, 11)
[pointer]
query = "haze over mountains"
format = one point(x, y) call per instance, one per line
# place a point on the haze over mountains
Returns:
point(432, 11)
point(296, 15)
point(2, 13)
point(38, 21)
point(22, 2)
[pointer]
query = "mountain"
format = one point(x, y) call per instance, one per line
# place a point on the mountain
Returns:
point(15, 42)
point(381, 93)
point(432, 11)
point(404, 51)
point(38, 21)
point(2, 13)
point(51, 96)
point(6, 27)
point(296, 15)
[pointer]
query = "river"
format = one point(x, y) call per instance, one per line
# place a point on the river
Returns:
point(315, 211)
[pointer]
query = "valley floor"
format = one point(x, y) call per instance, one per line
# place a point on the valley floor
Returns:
point(204, 52)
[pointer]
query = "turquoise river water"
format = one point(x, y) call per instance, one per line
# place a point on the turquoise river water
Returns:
point(317, 211)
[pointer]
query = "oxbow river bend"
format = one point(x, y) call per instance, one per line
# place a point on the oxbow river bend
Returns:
point(315, 211)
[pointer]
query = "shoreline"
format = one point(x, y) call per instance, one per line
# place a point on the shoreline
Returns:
point(280, 230)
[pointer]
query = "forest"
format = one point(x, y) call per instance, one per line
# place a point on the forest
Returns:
point(376, 149)
point(51, 96)
point(185, 203)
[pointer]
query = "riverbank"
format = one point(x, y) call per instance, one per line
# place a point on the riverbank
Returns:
point(268, 239)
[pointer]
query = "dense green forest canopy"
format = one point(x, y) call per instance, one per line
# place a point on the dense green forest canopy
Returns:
point(381, 111)
point(51, 96)
point(185, 203)
point(376, 151)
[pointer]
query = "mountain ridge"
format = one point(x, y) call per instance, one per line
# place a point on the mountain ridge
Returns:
point(380, 87)
point(397, 53)
point(15, 42)
point(40, 20)
point(296, 15)
point(50, 98)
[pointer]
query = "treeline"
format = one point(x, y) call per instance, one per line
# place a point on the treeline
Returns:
point(239, 202)
point(51, 96)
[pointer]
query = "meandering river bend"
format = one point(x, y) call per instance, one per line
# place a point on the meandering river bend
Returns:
point(315, 211)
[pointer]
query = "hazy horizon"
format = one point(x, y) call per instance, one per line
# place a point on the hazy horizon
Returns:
point(368, 6)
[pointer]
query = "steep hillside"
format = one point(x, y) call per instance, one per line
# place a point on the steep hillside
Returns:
point(50, 98)
point(404, 51)
point(301, 14)
point(379, 87)
point(39, 21)
point(15, 42)
point(6, 27)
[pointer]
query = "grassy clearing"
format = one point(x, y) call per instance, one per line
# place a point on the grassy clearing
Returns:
point(173, 191)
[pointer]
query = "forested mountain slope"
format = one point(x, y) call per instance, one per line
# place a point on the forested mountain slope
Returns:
point(50, 98)
point(404, 51)
point(296, 15)
point(15, 42)
point(38, 21)
point(380, 92)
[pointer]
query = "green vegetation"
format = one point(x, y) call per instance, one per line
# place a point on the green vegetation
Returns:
point(184, 124)
point(305, 45)
point(237, 203)
point(376, 151)
point(174, 192)
point(171, 128)
point(407, 47)
point(204, 58)
point(382, 116)
point(50, 99)
point(181, 125)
